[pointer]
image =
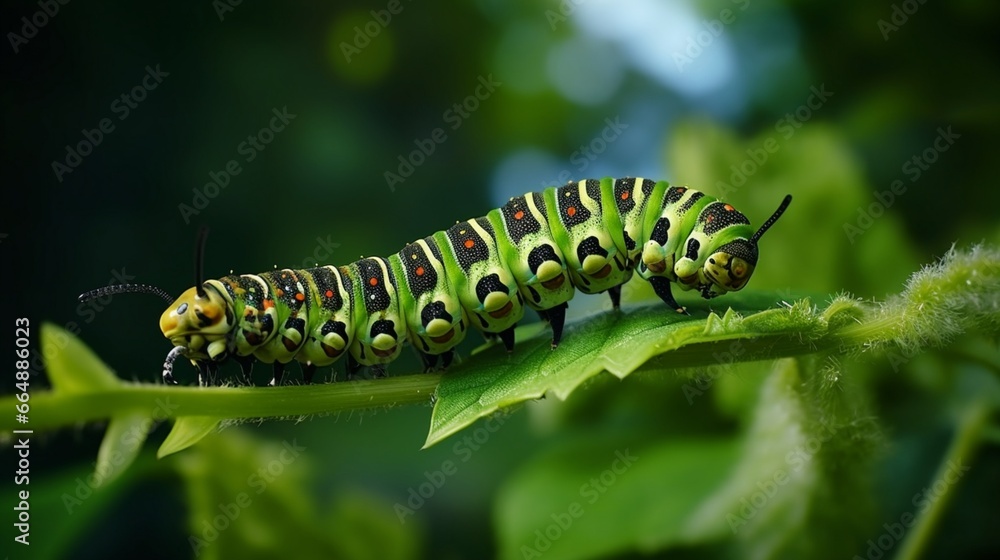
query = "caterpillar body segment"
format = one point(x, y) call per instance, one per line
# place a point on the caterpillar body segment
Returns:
point(534, 258)
point(586, 226)
point(483, 280)
point(379, 325)
point(533, 252)
point(330, 317)
point(435, 319)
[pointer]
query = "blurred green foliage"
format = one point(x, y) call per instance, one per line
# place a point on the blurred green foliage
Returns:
point(318, 192)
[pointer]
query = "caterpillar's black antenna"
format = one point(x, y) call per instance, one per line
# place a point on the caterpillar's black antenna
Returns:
point(774, 217)
point(126, 289)
point(199, 260)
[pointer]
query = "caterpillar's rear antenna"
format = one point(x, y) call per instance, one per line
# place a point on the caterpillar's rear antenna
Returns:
point(774, 217)
point(126, 289)
point(199, 260)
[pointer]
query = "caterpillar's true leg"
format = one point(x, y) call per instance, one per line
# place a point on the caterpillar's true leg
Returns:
point(246, 367)
point(661, 286)
point(207, 371)
point(616, 297)
point(308, 370)
point(279, 370)
point(378, 371)
point(429, 360)
point(352, 367)
point(507, 337)
point(446, 358)
point(557, 318)
point(202, 373)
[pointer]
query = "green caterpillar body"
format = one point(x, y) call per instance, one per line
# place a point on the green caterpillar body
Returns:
point(535, 252)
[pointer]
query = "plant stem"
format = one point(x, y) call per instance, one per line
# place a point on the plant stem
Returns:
point(960, 452)
point(51, 409)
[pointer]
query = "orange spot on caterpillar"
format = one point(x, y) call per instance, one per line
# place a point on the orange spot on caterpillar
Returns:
point(300, 296)
point(710, 218)
point(373, 281)
point(571, 211)
point(519, 214)
point(268, 304)
point(329, 293)
point(469, 243)
point(280, 292)
point(625, 195)
point(729, 208)
point(420, 271)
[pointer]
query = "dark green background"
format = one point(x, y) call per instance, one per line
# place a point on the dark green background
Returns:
point(323, 177)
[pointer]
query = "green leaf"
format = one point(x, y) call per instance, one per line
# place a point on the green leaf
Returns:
point(187, 431)
point(121, 445)
point(619, 342)
point(376, 532)
point(66, 492)
point(591, 499)
point(253, 498)
point(772, 493)
point(72, 367)
point(791, 480)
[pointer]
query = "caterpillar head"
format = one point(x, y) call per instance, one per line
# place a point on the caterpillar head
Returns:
point(729, 267)
point(199, 317)
point(196, 323)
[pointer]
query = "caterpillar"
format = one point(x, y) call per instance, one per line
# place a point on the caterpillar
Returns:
point(534, 252)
